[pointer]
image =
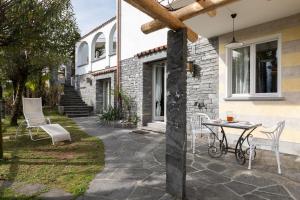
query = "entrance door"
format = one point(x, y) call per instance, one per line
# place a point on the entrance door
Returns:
point(159, 88)
point(106, 94)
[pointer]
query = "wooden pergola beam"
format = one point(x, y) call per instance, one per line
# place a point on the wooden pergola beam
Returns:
point(187, 12)
point(156, 11)
point(206, 3)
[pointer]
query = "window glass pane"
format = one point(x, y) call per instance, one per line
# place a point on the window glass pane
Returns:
point(241, 70)
point(266, 67)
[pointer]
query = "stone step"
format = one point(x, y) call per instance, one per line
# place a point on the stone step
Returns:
point(73, 104)
point(158, 127)
point(72, 101)
point(80, 108)
point(78, 115)
point(76, 111)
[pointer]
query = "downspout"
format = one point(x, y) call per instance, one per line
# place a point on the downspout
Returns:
point(118, 29)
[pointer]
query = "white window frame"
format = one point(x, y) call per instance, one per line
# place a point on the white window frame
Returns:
point(252, 44)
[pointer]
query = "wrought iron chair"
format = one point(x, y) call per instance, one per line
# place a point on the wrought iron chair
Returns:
point(273, 134)
point(197, 128)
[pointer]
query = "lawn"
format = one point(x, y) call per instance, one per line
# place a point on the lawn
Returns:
point(67, 166)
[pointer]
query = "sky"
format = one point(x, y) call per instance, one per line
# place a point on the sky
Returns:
point(92, 13)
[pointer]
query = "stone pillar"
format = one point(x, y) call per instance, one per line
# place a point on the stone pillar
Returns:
point(176, 113)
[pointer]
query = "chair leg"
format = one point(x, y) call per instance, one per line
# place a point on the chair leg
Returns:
point(250, 156)
point(194, 143)
point(278, 160)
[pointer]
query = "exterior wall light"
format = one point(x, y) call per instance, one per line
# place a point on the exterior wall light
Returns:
point(190, 66)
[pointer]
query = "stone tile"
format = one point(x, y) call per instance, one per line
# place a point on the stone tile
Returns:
point(197, 166)
point(254, 180)
point(210, 177)
point(111, 189)
point(56, 194)
point(239, 187)
point(252, 197)
point(130, 174)
point(216, 167)
point(293, 189)
point(217, 192)
point(146, 193)
point(201, 159)
point(158, 168)
point(29, 189)
point(276, 189)
point(167, 197)
point(155, 180)
point(271, 196)
point(190, 169)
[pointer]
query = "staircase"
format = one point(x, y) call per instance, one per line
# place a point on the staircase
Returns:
point(72, 104)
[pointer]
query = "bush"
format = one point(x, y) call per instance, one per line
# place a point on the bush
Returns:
point(112, 114)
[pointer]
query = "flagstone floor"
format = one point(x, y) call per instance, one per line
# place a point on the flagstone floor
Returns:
point(135, 170)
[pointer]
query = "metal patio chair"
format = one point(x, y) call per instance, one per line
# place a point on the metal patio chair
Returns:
point(273, 134)
point(198, 129)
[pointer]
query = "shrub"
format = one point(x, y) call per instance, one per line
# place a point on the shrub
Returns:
point(112, 114)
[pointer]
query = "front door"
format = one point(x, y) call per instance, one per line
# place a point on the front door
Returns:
point(106, 94)
point(159, 88)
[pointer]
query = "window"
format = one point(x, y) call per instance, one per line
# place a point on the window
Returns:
point(254, 70)
point(99, 50)
point(113, 41)
point(83, 54)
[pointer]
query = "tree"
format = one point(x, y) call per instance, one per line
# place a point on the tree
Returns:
point(43, 35)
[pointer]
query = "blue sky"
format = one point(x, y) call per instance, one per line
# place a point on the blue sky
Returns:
point(91, 13)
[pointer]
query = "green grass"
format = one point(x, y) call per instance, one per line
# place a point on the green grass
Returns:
point(67, 166)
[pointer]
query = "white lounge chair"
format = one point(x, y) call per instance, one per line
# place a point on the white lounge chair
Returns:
point(35, 119)
point(273, 134)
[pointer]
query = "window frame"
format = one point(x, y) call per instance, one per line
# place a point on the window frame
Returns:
point(253, 95)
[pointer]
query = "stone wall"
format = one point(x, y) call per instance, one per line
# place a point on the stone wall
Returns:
point(203, 82)
point(202, 86)
point(90, 89)
point(132, 83)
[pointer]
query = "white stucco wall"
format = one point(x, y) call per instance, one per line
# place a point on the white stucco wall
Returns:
point(133, 40)
point(95, 65)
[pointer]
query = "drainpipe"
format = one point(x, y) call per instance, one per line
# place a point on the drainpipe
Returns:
point(118, 29)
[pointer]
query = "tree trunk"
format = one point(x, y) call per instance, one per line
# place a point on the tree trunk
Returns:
point(1, 136)
point(18, 100)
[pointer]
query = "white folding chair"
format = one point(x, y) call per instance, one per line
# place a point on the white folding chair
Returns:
point(273, 134)
point(197, 128)
point(35, 119)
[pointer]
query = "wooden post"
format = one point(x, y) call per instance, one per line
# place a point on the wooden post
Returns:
point(176, 113)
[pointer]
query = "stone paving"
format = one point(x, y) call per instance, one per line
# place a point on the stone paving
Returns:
point(135, 170)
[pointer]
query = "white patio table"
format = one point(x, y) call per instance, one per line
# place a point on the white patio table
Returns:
point(220, 146)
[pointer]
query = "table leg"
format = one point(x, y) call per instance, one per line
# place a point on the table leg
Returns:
point(240, 154)
point(217, 147)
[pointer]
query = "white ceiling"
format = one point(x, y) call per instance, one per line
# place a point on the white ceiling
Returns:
point(250, 13)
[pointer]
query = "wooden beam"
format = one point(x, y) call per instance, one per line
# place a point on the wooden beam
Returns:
point(206, 3)
point(185, 13)
point(156, 11)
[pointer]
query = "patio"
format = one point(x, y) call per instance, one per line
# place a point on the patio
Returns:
point(135, 169)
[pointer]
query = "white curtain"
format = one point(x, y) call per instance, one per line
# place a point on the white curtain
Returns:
point(158, 91)
point(241, 70)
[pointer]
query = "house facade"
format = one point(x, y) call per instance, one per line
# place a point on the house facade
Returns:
point(96, 61)
point(258, 81)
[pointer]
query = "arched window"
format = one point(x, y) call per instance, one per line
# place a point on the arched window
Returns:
point(98, 50)
point(113, 41)
point(83, 54)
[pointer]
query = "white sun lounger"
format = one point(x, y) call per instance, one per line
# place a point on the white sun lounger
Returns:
point(35, 119)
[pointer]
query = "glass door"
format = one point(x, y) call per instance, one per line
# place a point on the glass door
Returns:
point(159, 98)
point(106, 94)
